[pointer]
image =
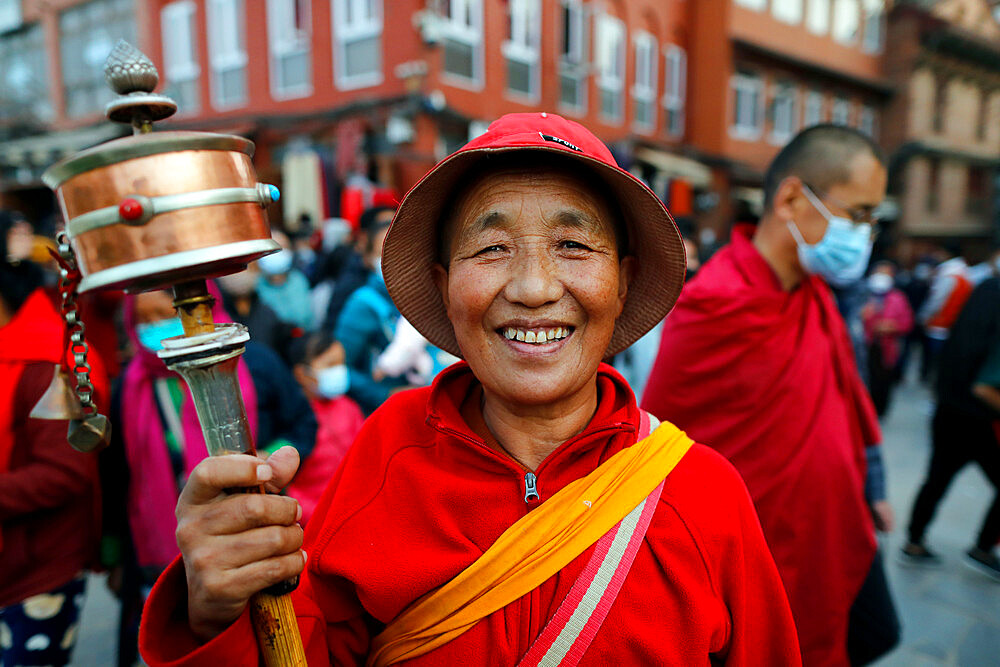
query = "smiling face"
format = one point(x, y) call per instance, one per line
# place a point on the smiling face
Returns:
point(534, 283)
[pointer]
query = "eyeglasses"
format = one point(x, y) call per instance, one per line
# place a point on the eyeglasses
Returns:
point(864, 215)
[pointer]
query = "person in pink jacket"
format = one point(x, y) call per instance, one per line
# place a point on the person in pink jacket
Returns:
point(887, 318)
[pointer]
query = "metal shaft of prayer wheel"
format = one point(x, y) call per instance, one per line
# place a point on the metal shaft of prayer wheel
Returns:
point(168, 210)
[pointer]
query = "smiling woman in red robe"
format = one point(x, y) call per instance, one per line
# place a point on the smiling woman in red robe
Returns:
point(522, 510)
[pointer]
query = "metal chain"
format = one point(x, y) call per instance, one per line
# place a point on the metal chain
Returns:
point(69, 279)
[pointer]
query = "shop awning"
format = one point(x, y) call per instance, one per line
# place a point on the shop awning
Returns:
point(676, 166)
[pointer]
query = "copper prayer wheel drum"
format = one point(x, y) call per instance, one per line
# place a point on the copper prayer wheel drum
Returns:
point(151, 210)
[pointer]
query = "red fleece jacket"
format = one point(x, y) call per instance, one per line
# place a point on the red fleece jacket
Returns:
point(420, 497)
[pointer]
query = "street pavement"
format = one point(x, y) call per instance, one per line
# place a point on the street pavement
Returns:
point(950, 615)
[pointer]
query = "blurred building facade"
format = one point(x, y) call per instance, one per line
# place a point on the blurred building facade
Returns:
point(695, 97)
point(943, 128)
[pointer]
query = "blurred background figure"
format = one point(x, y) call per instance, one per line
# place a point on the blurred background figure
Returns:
point(240, 299)
point(335, 247)
point(950, 287)
point(964, 428)
point(49, 493)
point(156, 442)
point(284, 288)
point(887, 320)
point(321, 373)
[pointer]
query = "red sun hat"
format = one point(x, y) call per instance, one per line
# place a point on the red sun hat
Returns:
point(411, 246)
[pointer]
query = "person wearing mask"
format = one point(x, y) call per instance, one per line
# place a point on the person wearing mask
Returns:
point(284, 288)
point(366, 326)
point(887, 320)
point(755, 360)
point(321, 373)
point(949, 289)
point(964, 429)
point(156, 441)
point(240, 300)
point(49, 493)
point(355, 262)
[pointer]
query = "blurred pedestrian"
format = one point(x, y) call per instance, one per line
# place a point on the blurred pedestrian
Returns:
point(950, 287)
point(366, 326)
point(472, 522)
point(49, 493)
point(284, 288)
point(887, 320)
point(156, 442)
point(357, 262)
point(755, 360)
point(964, 425)
point(241, 301)
point(320, 371)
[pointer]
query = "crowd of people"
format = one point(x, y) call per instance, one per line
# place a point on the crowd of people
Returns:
point(781, 354)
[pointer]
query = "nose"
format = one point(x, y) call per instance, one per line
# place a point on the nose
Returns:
point(534, 279)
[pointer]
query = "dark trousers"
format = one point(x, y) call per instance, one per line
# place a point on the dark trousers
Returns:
point(880, 379)
point(959, 438)
point(873, 626)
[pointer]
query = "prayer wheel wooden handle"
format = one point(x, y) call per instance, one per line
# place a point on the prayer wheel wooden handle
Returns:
point(277, 630)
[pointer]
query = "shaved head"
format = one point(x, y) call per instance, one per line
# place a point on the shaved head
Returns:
point(820, 156)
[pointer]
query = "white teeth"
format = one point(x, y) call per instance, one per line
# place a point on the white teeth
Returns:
point(522, 336)
point(510, 333)
point(529, 337)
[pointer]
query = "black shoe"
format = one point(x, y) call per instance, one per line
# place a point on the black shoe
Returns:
point(984, 562)
point(917, 554)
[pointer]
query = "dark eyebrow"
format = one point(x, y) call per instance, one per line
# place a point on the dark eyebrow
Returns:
point(487, 220)
point(579, 219)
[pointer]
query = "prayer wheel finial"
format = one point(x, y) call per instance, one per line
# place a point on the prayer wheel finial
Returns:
point(134, 77)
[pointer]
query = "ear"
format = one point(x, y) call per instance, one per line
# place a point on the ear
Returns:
point(440, 276)
point(788, 199)
point(627, 268)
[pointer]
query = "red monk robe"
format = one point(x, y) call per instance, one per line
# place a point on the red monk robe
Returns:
point(768, 378)
point(421, 496)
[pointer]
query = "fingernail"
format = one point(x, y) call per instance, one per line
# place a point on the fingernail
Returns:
point(305, 557)
point(298, 513)
point(264, 473)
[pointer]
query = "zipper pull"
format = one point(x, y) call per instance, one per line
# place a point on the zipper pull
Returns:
point(530, 488)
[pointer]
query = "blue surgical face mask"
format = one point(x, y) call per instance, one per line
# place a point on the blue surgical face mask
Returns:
point(333, 382)
point(151, 334)
point(841, 256)
point(278, 263)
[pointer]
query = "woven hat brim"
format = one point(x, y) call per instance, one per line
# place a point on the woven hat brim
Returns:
point(411, 249)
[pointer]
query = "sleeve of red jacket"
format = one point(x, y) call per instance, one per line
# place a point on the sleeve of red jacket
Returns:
point(165, 639)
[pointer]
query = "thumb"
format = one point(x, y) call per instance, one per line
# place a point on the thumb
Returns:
point(284, 463)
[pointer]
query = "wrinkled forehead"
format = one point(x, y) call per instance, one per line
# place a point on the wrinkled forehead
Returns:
point(488, 198)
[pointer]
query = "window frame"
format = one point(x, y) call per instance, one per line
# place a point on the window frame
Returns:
point(812, 11)
point(873, 40)
point(220, 63)
point(811, 97)
point(283, 46)
point(868, 113)
point(524, 45)
point(780, 89)
point(834, 25)
point(674, 89)
point(755, 5)
point(645, 91)
point(176, 71)
point(841, 102)
point(608, 81)
point(749, 81)
point(470, 35)
point(346, 33)
point(795, 18)
point(574, 65)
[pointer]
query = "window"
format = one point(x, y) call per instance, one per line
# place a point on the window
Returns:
point(87, 33)
point(674, 90)
point(873, 26)
point(462, 30)
point(10, 14)
point(841, 111)
point(610, 65)
point(227, 53)
point(644, 86)
point(288, 30)
point(868, 120)
point(521, 48)
point(789, 11)
point(23, 89)
point(846, 19)
point(573, 56)
point(748, 103)
point(813, 109)
point(784, 113)
point(180, 55)
point(357, 30)
point(818, 16)
point(759, 5)
point(941, 92)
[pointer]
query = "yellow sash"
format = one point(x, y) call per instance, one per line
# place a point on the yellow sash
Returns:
point(533, 549)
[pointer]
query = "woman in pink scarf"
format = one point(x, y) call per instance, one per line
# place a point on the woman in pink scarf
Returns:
point(887, 318)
